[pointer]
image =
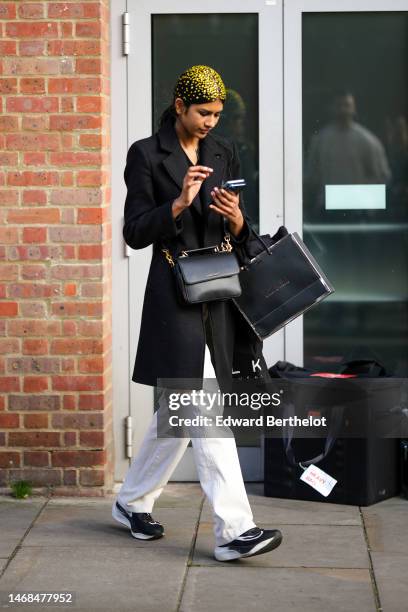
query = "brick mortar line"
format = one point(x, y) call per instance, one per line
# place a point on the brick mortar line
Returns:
point(59, 19)
point(190, 556)
point(371, 567)
point(18, 547)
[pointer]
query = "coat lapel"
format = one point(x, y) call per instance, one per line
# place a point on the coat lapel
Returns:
point(211, 155)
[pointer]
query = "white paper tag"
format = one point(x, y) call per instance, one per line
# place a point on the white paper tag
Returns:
point(319, 480)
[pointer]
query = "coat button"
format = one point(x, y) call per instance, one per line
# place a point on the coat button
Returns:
point(218, 155)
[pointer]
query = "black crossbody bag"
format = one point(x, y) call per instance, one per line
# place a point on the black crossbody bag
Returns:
point(206, 274)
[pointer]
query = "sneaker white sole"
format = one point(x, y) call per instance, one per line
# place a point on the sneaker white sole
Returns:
point(118, 516)
point(229, 554)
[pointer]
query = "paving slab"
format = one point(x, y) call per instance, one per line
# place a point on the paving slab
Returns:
point(103, 577)
point(296, 512)
point(15, 518)
point(391, 571)
point(174, 495)
point(93, 526)
point(177, 495)
point(387, 525)
point(302, 546)
point(323, 562)
point(88, 502)
point(238, 588)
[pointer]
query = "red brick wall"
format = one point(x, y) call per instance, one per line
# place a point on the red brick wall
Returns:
point(55, 246)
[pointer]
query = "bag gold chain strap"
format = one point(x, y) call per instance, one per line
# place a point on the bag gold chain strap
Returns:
point(168, 257)
point(224, 247)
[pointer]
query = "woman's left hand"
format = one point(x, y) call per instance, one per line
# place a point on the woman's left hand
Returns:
point(226, 203)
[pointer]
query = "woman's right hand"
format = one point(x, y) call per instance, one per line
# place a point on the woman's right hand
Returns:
point(192, 182)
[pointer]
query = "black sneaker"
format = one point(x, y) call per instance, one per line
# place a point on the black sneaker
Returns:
point(255, 541)
point(142, 525)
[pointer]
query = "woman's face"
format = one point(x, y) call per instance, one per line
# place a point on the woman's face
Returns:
point(198, 119)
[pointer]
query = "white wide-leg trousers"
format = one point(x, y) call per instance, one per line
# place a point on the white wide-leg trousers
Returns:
point(218, 469)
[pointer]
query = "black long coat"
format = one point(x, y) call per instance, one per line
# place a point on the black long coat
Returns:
point(172, 335)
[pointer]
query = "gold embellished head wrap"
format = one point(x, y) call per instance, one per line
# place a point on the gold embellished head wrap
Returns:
point(200, 84)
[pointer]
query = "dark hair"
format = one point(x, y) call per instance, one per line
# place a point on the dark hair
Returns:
point(167, 114)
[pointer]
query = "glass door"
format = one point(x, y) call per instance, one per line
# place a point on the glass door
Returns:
point(346, 161)
point(242, 40)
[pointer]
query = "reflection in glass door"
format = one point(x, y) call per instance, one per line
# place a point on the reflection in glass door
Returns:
point(355, 184)
point(346, 160)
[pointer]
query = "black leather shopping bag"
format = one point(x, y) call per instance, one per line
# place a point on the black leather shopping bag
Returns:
point(280, 283)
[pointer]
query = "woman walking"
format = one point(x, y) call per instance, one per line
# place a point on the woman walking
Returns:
point(174, 201)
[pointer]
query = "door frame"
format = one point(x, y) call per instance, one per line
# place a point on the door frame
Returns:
point(120, 280)
point(270, 165)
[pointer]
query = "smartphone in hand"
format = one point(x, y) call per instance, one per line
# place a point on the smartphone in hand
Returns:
point(234, 185)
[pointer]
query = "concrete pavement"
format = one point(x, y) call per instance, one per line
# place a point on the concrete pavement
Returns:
point(333, 557)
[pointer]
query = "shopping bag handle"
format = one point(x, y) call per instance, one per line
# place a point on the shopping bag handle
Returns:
point(255, 233)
